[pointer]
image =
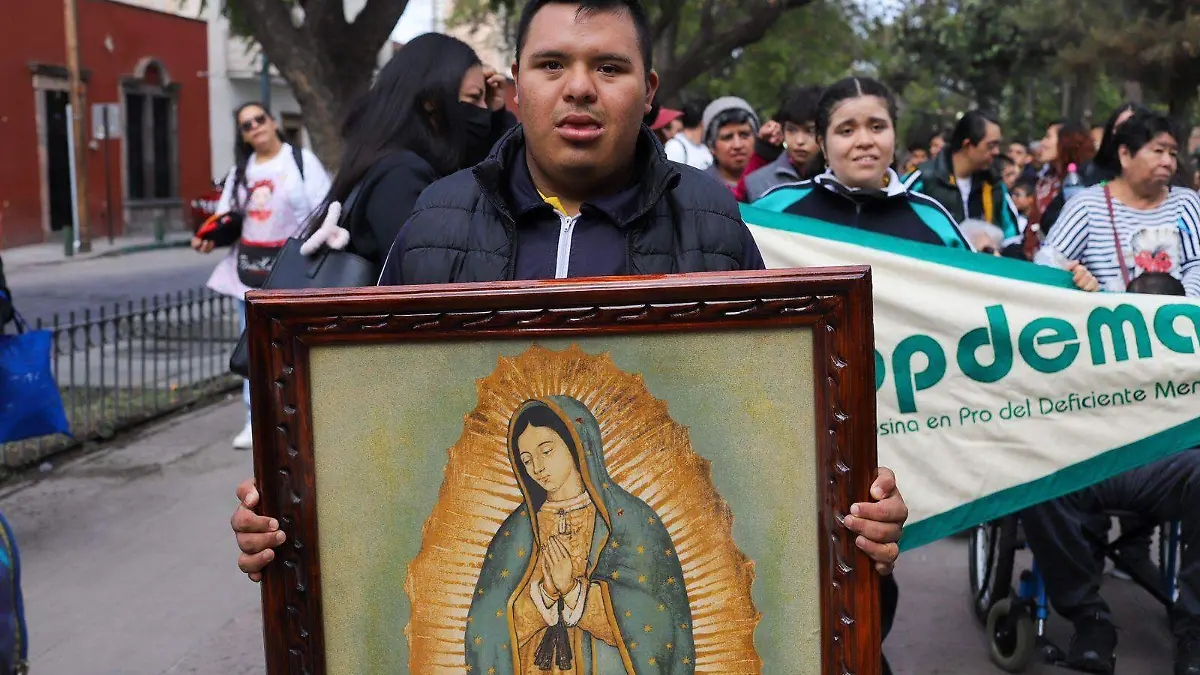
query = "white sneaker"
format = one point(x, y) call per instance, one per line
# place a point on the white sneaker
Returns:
point(244, 440)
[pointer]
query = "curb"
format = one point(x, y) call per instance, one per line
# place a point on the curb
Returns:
point(114, 253)
point(142, 248)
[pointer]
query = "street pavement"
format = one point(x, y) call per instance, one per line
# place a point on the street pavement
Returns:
point(936, 632)
point(129, 569)
point(128, 561)
point(44, 283)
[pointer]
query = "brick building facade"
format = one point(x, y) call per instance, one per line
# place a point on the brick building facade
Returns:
point(151, 67)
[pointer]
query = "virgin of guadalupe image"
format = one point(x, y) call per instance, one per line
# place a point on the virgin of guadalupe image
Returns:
point(582, 577)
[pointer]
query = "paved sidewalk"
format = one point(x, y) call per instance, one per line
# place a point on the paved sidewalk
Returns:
point(51, 253)
point(936, 633)
point(129, 565)
point(129, 570)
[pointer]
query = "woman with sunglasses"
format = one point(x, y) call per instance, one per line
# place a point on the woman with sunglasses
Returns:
point(273, 187)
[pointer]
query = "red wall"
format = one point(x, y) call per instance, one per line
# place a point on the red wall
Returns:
point(35, 33)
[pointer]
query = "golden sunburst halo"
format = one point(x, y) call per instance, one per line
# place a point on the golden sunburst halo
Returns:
point(646, 452)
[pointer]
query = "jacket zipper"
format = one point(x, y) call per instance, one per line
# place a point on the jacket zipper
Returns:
point(566, 231)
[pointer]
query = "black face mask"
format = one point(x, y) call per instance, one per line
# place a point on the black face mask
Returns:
point(478, 130)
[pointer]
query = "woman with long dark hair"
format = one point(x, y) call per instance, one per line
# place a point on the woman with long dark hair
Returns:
point(272, 188)
point(856, 134)
point(434, 109)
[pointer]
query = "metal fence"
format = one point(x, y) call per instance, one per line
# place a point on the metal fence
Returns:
point(124, 364)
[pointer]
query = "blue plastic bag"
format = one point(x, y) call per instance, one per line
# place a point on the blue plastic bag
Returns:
point(30, 405)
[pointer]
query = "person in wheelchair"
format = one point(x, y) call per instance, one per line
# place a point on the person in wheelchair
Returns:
point(1063, 542)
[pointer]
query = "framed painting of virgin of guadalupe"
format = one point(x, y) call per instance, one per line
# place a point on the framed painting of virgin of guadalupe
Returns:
point(636, 476)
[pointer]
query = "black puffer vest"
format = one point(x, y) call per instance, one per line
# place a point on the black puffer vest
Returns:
point(464, 227)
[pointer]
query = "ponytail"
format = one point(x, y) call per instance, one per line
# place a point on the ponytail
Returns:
point(838, 93)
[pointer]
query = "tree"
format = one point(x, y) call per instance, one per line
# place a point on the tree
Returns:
point(327, 59)
point(693, 37)
point(1014, 60)
point(815, 45)
point(1153, 42)
point(689, 37)
point(972, 48)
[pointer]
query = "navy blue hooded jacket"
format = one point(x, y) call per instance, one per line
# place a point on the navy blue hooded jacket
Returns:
point(489, 223)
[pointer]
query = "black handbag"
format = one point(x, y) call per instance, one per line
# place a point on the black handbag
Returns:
point(327, 268)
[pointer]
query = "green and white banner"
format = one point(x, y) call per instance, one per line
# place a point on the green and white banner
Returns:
point(1000, 385)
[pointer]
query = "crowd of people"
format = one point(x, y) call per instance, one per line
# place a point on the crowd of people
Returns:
point(1005, 196)
point(598, 179)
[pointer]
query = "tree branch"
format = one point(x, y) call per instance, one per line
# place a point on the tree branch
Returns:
point(668, 16)
point(375, 22)
point(324, 17)
point(707, 19)
point(714, 45)
point(270, 22)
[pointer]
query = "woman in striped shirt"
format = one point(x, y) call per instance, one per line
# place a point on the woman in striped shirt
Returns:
point(1156, 225)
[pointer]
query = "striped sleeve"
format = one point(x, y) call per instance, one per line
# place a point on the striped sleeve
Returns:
point(1189, 234)
point(1070, 234)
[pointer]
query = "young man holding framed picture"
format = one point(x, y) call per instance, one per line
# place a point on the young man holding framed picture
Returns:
point(580, 189)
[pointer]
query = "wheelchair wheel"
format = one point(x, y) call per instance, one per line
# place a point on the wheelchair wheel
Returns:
point(1012, 637)
point(992, 553)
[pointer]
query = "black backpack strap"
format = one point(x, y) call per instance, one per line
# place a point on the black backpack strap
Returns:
point(352, 201)
point(298, 155)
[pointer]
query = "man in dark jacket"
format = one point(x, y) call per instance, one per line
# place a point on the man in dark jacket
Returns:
point(493, 222)
point(962, 178)
point(581, 189)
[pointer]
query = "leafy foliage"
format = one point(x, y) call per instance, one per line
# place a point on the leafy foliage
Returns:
point(691, 38)
point(972, 48)
point(814, 45)
point(1034, 60)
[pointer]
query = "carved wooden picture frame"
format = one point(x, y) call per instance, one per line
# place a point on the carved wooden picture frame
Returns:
point(690, 396)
